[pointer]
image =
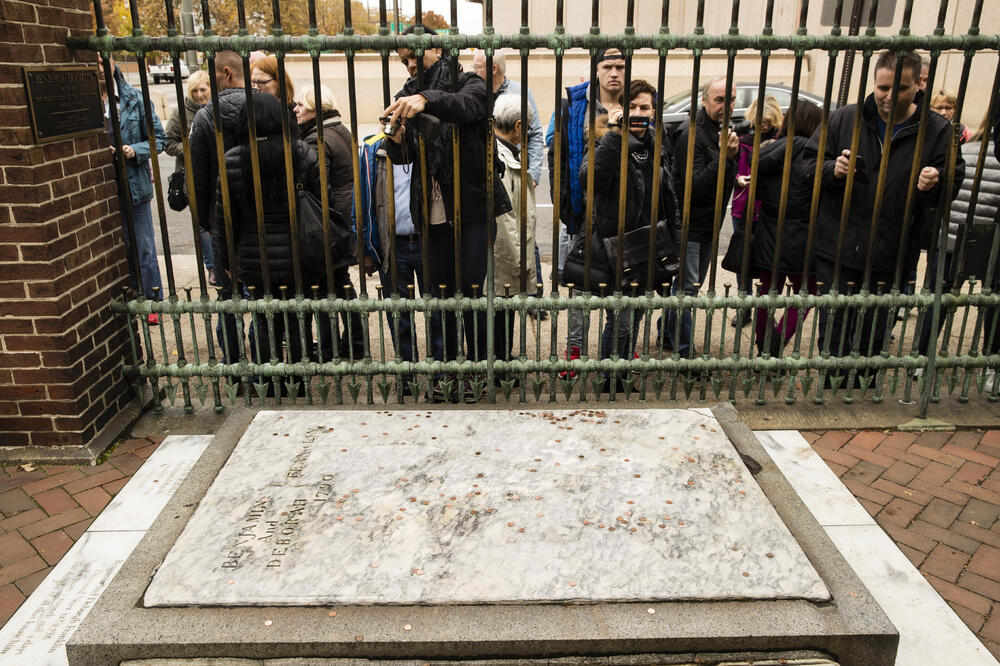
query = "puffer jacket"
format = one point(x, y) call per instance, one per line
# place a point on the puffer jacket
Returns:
point(176, 131)
point(204, 160)
point(574, 148)
point(987, 200)
point(337, 145)
point(507, 247)
point(132, 118)
point(277, 231)
point(795, 233)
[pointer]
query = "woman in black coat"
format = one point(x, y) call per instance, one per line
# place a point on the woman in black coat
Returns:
point(336, 148)
point(795, 232)
point(268, 111)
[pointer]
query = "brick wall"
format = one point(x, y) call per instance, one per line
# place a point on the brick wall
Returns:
point(62, 257)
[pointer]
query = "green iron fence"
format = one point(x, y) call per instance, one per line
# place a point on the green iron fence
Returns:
point(182, 352)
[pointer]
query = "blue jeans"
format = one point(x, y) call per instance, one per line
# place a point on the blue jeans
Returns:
point(696, 264)
point(621, 343)
point(207, 256)
point(145, 248)
point(409, 266)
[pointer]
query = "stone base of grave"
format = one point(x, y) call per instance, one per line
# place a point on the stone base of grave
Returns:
point(624, 536)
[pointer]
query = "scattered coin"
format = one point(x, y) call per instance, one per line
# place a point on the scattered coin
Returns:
point(332, 613)
point(340, 517)
point(359, 638)
point(268, 623)
point(510, 524)
point(572, 583)
point(374, 565)
point(407, 627)
point(359, 519)
point(651, 611)
point(230, 582)
point(540, 515)
point(770, 554)
point(746, 575)
point(520, 529)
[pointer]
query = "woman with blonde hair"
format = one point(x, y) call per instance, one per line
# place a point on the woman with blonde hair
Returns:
point(770, 122)
point(944, 102)
point(340, 188)
point(199, 92)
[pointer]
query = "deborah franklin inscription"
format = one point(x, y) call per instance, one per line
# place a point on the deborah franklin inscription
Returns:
point(63, 102)
point(260, 524)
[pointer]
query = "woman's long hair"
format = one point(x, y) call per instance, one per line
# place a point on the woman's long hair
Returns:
point(267, 112)
point(808, 117)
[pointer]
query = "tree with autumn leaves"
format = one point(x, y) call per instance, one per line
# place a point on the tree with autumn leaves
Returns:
point(259, 16)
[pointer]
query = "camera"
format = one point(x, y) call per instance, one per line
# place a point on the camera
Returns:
point(388, 127)
point(634, 122)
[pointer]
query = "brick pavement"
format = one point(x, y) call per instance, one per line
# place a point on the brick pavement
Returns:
point(936, 494)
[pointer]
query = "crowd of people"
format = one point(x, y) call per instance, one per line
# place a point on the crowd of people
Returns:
point(413, 188)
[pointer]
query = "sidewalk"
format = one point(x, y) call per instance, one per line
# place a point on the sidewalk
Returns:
point(936, 494)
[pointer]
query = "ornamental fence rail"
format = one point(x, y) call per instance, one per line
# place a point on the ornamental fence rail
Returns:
point(901, 337)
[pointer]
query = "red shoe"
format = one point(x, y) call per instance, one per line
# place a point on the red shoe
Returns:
point(572, 354)
point(153, 319)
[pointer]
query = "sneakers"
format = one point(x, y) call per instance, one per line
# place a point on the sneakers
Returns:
point(153, 319)
point(572, 354)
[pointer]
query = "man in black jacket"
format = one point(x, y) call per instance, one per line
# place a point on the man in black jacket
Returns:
point(205, 172)
point(462, 106)
point(704, 178)
point(839, 332)
point(620, 332)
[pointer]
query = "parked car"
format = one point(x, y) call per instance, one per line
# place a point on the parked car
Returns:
point(165, 71)
point(677, 107)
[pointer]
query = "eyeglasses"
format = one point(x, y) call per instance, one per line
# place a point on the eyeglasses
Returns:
point(260, 83)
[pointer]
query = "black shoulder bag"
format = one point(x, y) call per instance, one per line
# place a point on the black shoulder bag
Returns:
point(177, 197)
point(309, 211)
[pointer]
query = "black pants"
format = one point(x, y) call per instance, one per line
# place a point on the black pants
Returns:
point(839, 328)
point(351, 331)
point(441, 253)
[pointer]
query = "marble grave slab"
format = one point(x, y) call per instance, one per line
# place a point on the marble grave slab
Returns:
point(472, 507)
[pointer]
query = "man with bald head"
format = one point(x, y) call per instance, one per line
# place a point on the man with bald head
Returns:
point(205, 170)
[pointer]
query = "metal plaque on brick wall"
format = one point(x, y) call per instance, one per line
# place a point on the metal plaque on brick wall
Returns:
point(63, 102)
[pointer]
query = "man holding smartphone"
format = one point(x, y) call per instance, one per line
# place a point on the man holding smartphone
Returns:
point(850, 252)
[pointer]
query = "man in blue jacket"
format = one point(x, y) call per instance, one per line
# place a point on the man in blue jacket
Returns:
point(136, 149)
point(574, 122)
